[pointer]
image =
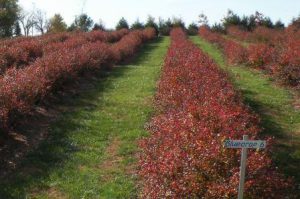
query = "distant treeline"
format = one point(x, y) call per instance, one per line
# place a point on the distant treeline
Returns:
point(15, 21)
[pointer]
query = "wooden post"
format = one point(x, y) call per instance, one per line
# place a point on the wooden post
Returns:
point(243, 169)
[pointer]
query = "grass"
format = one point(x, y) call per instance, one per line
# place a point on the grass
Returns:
point(273, 104)
point(91, 149)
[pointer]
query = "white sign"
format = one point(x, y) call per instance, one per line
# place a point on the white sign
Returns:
point(251, 144)
point(244, 145)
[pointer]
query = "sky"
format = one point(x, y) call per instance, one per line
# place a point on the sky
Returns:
point(110, 11)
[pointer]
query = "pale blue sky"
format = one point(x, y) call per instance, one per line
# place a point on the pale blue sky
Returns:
point(110, 11)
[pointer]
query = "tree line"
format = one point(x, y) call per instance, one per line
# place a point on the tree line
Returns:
point(15, 21)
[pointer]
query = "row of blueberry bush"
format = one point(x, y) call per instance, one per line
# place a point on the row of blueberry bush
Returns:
point(22, 88)
point(197, 110)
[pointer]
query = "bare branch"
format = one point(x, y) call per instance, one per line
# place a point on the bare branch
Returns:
point(27, 21)
point(41, 21)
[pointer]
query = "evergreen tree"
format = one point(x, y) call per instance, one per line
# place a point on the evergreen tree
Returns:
point(99, 26)
point(178, 22)
point(122, 24)
point(193, 29)
point(251, 23)
point(231, 19)
point(8, 17)
point(57, 24)
point(218, 27)
point(137, 25)
point(165, 26)
point(267, 22)
point(17, 29)
point(295, 23)
point(150, 23)
point(82, 22)
point(278, 25)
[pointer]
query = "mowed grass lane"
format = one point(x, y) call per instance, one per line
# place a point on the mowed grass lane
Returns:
point(91, 151)
point(273, 103)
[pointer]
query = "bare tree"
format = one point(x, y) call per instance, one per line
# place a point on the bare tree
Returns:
point(203, 21)
point(27, 21)
point(40, 21)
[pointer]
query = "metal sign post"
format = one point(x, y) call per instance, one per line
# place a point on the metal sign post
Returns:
point(244, 144)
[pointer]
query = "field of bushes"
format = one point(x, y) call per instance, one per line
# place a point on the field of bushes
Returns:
point(274, 51)
point(198, 109)
point(169, 144)
point(33, 68)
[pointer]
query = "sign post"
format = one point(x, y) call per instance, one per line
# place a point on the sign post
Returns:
point(244, 144)
point(243, 169)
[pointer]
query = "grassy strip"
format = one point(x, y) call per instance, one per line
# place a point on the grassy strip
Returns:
point(90, 153)
point(272, 103)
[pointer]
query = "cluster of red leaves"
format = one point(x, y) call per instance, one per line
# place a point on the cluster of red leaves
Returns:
point(21, 89)
point(236, 32)
point(266, 35)
point(288, 65)
point(259, 34)
point(261, 55)
point(198, 109)
point(234, 52)
point(280, 55)
point(127, 46)
point(21, 52)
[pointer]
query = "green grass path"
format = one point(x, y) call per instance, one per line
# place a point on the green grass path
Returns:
point(91, 150)
point(271, 102)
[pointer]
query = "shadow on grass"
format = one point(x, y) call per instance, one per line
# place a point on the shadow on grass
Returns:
point(286, 151)
point(58, 148)
point(275, 120)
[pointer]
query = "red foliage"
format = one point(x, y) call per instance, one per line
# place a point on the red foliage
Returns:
point(20, 89)
point(19, 54)
point(261, 55)
point(236, 32)
point(22, 52)
point(288, 64)
point(199, 109)
point(211, 36)
point(127, 46)
point(260, 34)
point(278, 52)
point(264, 34)
point(234, 52)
